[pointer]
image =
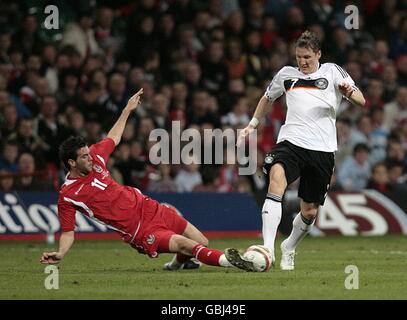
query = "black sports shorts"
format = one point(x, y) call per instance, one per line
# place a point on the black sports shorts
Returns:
point(314, 168)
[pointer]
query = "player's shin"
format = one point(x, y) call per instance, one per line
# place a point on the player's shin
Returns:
point(301, 227)
point(271, 216)
point(210, 256)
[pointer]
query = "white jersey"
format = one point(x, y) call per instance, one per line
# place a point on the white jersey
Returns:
point(312, 103)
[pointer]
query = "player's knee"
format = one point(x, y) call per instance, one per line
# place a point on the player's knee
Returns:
point(278, 181)
point(204, 241)
point(309, 210)
point(181, 244)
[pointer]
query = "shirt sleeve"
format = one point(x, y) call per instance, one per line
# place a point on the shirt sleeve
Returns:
point(341, 76)
point(66, 215)
point(275, 88)
point(103, 148)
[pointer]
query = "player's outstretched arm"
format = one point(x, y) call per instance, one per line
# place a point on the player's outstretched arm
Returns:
point(353, 95)
point(65, 243)
point(117, 130)
point(262, 108)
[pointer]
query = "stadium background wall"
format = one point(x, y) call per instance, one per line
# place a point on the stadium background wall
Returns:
point(32, 215)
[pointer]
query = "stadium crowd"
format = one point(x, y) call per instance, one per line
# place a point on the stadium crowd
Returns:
point(204, 63)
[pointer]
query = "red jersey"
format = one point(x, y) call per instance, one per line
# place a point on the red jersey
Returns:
point(99, 197)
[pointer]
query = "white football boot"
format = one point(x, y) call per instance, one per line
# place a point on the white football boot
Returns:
point(188, 265)
point(287, 258)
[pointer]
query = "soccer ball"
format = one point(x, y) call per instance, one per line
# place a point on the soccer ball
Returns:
point(260, 256)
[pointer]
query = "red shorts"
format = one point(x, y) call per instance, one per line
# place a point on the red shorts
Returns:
point(156, 230)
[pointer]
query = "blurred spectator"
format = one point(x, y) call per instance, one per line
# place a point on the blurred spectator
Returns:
point(215, 73)
point(378, 136)
point(380, 179)
point(234, 59)
point(395, 112)
point(209, 180)
point(27, 178)
point(345, 146)
point(6, 180)
point(354, 173)
point(374, 93)
point(27, 139)
point(142, 41)
point(188, 177)
point(159, 111)
point(200, 109)
point(193, 77)
point(9, 156)
point(116, 100)
point(81, 35)
point(76, 122)
point(68, 88)
point(395, 151)
point(396, 177)
point(27, 36)
point(361, 133)
point(238, 116)
point(9, 119)
point(51, 132)
point(391, 84)
point(49, 68)
point(163, 182)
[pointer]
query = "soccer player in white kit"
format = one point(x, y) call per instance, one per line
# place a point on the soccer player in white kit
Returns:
point(306, 142)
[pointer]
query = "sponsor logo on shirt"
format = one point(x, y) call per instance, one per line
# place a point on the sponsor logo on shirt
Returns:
point(97, 168)
point(321, 83)
point(269, 159)
point(150, 239)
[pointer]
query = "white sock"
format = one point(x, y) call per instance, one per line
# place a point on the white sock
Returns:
point(271, 216)
point(301, 227)
point(223, 262)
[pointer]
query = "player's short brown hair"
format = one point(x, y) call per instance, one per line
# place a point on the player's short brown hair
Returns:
point(69, 149)
point(308, 40)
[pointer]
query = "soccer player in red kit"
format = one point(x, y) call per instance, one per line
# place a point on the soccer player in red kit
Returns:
point(145, 224)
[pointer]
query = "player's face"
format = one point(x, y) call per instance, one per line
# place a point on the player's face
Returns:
point(307, 59)
point(84, 161)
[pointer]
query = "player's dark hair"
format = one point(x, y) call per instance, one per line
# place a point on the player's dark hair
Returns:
point(308, 40)
point(69, 149)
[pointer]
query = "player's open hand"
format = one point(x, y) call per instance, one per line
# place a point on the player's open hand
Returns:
point(346, 89)
point(51, 258)
point(243, 134)
point(134, 100)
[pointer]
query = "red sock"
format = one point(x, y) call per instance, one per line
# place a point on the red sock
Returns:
point(182, 258)
point(207, 255)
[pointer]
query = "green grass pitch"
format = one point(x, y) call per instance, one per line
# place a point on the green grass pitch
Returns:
point(113, 270)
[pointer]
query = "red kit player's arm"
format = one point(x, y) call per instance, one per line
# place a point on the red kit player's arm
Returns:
point(66, 214)
point(117, 130)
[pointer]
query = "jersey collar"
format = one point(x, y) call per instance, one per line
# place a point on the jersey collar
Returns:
point(310, 74)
